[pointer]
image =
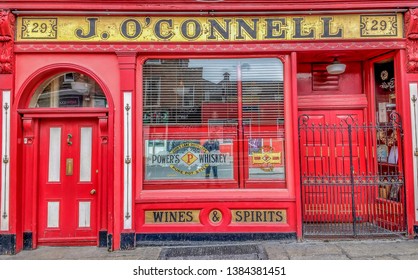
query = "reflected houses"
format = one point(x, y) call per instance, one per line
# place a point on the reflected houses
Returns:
point(68, 90)
point(172, 96)
point(178, 95)
point(183, 92)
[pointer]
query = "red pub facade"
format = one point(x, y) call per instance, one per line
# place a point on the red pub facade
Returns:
point(128, 123)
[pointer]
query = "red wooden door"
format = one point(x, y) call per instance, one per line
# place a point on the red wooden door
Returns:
point(325, 164)
point(68, 182)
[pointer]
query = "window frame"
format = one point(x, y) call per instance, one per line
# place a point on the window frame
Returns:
point(172, 183)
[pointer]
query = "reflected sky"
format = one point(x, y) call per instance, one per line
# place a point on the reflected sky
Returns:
point(253, 69)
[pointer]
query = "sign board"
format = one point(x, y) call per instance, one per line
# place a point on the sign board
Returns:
point(208, 29)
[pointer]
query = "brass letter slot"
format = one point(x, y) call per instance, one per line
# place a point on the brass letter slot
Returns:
point(69, 167)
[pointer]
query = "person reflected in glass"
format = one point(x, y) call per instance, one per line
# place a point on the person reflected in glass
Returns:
point(212, 146)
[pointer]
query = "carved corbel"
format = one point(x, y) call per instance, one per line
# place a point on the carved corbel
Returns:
point(28, 131)
point(7, 23)
point(411, 27)
point(103, 130)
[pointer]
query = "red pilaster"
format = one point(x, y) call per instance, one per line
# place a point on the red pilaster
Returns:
point(127, 69)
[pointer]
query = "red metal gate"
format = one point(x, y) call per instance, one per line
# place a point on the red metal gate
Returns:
point(352, 177)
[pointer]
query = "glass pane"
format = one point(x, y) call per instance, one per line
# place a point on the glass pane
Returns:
point(262, 91)
point(189, 90)
point(197, 127)
point(266, 158)
point(54, 154)
point(189, 159)
point(263, 117)
point(69, 89)
point(53, 214)
point(85, 154)
point(84, 209)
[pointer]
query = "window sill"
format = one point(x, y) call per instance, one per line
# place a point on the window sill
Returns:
point(185, 195)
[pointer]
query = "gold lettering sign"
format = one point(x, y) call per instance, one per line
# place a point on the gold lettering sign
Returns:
point(274, 216)
point(172, 216)
point(208, 29)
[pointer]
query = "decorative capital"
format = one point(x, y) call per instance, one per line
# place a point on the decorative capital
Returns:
point(7, 27)
point(7, 23)
point(411, 27)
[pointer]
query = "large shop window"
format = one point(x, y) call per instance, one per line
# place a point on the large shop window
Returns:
point(214, 123)
point(69, 89)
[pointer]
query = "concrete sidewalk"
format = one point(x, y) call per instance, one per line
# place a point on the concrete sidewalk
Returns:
point(399, 249)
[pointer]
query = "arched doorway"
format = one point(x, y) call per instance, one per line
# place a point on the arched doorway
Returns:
point(65, 139)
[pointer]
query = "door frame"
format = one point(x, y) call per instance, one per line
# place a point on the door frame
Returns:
point(30, 123)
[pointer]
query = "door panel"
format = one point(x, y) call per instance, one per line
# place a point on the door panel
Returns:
point(316, 145)
point(67, 181)
point(325, 163)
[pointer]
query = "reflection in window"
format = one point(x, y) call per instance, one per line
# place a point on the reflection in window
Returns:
point(152, 91)
point(188, 96)
point(69, 89)
point(215, 123)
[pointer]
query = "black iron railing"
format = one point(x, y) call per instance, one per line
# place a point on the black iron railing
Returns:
point(352, 177)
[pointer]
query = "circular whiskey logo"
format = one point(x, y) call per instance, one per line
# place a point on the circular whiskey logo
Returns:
point(190, 158)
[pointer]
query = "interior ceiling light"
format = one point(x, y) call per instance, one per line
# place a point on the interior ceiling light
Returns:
point(336, 67)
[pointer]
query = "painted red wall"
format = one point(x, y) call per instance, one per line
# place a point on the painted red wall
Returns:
point(350, 82)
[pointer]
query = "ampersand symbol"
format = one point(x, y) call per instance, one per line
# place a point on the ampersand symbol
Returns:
point(216, 216)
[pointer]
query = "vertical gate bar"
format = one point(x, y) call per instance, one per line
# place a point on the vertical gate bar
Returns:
point(340, 185)
point(335, 172)
point(374, 173)
point(366, 173)
point(402, 188)
point(301, 156)
point(311, 146)
point(301, 175)
point(350, 144)
point(398, 210)
point(358, 188)
point(306, 161)
point(314, 178)
point(323, 180)
point(330, 176)
point(321, 177)
point(343, 177)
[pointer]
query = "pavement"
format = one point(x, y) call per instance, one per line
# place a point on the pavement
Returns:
point(358, 249)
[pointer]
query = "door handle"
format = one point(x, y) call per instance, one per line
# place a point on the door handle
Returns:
point(93, 191)
point(69, 136)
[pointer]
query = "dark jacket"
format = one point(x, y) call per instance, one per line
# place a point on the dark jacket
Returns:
point(211, 145)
